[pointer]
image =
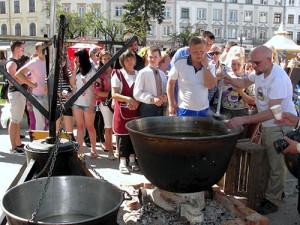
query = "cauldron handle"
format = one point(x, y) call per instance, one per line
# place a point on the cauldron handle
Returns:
point(126, 195)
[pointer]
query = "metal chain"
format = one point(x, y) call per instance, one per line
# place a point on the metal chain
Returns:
point(88, 163)
point(53, 154)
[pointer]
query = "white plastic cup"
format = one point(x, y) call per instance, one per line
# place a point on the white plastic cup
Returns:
point(277, 111)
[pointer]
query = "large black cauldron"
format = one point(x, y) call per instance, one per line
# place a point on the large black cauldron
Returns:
point(182, 154)
point(68, 200)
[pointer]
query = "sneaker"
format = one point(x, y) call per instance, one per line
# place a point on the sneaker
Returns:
point(18, 151)
point(134, 166)
point(266, 207)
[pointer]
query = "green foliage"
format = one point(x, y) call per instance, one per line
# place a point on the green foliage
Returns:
point(182, 39)
point(138, 14)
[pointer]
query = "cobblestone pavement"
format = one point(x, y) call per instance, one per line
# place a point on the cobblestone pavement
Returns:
point(10, 165)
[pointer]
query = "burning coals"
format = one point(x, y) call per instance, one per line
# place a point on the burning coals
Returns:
point(149, 213)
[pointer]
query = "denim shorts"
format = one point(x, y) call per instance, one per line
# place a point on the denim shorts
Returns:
point(84, 108)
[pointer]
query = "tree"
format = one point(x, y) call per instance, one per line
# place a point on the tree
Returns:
point(110, 30)
point(138, 14)
point(182, 39)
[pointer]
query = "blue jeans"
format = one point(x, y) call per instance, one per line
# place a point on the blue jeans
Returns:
point(187, 112)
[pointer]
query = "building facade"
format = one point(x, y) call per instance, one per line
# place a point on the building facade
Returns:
point(20, 17)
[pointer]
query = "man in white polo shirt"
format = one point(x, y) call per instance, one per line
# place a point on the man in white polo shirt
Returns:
point(272, 87)
point(194, 79)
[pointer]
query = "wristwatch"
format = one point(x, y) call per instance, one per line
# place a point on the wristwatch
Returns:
point(298, 147)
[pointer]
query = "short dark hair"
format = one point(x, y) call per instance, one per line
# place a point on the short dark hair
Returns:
point(208, 34)
point(15, 44)
point(125, 55)
point(196, 40)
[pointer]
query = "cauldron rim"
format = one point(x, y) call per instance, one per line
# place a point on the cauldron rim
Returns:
point(21, 219)
point(231, 132)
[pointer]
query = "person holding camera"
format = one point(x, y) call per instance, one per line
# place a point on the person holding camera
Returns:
point(293, 146)
point(272, 87)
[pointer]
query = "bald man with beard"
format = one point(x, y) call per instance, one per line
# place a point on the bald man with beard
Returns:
point(272, 87)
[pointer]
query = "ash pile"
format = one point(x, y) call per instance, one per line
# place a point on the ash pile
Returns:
point(147, 208)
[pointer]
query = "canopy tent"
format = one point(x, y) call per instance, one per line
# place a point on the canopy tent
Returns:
point(76, 47)
point(280, 42)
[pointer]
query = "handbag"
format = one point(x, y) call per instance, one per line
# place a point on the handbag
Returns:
point(108, 101)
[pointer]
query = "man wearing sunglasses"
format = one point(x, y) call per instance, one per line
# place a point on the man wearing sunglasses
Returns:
point(272, 87)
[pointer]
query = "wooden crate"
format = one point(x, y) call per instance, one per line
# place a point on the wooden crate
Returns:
point(247, 173)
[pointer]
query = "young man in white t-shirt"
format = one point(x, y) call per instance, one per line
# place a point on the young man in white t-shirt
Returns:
point(272, 87)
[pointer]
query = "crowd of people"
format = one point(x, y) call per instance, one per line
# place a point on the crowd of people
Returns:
point(186, 82)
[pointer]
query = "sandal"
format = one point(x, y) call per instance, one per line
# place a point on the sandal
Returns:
point(80, 155)
point(103, 147)
point(123, 169)
point(111, 155)
point(94, 155)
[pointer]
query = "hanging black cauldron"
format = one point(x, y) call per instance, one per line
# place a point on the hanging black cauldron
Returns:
point(40, 151)
point(182, 154)
point(68, 200)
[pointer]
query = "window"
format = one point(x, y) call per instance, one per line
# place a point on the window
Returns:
point(185, 13)
point(233, 16)
point(290, 34)
point(277, 18)
point(298, 38)
point(290, 19)
point(31, 5)
point(248, 33)
point(81, 10)
point(2, 7)
point(217, 14)
point(248, 16)
point(291, 2)
point(299, 19)
point(217, 32)
point(278, 2)
point(3, 29)
point(264, 2)
point(167, 12)
point(66, 7)
point(118, 11)
point(248, 2)
point(97, 33)
point(218, 0)
point(262, 35)
point(16, 6)
point(262, 17)
point(32, 29)
point(201, 14)
point(167, 30)
point(151, 30)
point(96, 10)
point(232, 1)
point(18, 29)
point(232, 33)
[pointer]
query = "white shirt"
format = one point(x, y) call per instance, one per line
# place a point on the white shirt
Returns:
point(192, 94)
point(277, 85)
point(116, 83)
point(145, 85)
point(87, 96)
